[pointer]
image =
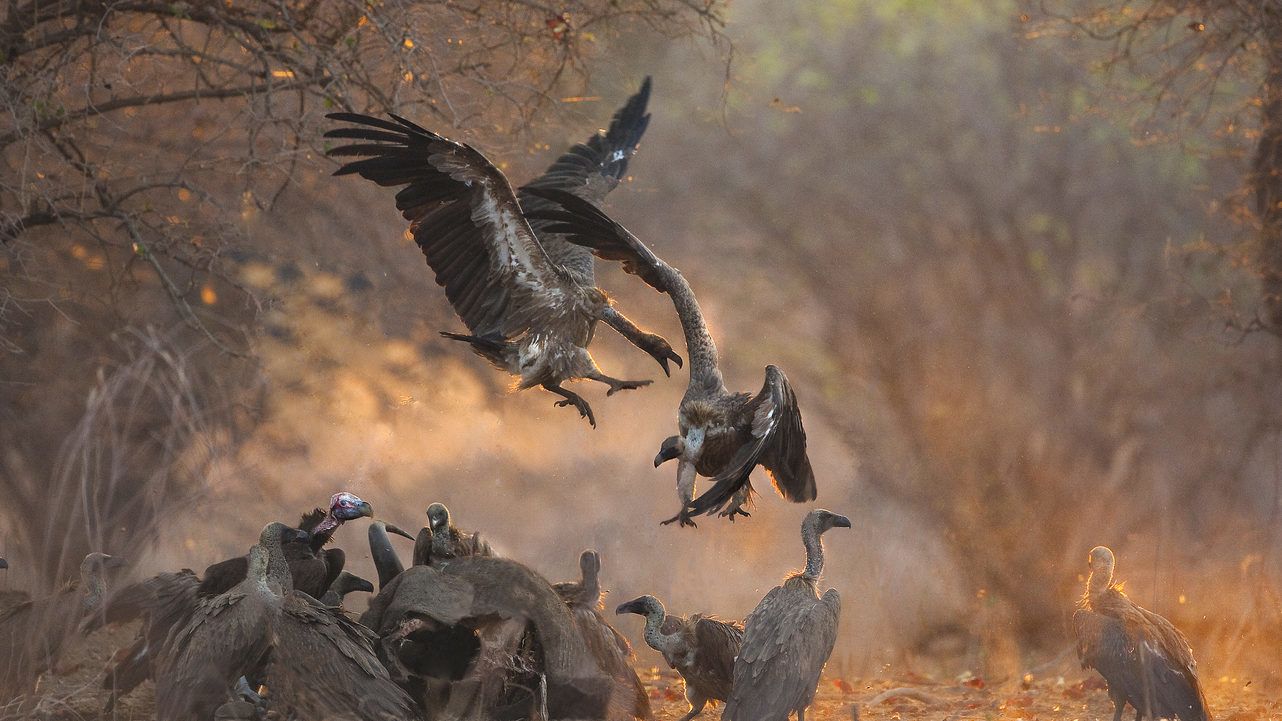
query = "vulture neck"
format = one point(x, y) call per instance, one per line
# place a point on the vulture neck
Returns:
point(95, 590)
point(1101, 580)
point(813, 540)
point(442, 548)
point(268, 568)
point(325, 529)
point(655, 638)
point(700, 348)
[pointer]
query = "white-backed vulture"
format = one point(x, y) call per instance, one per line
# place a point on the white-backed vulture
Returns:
point(440, 540)
point(34, 632)
point(608, 647)
point(722, 434)
point(701, 648)
point(1146, 661)
point(788, 638)
point(347, 582)
point(530, 311)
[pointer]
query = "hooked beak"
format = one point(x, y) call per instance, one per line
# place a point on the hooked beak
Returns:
point(840, 522)
point(397, 530)
point(365, 510)
point(360, 584)
point(670, 449)
point(633, 606)
point(114, 562)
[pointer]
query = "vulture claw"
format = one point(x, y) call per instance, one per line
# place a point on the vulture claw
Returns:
point(585, 410)
point(659, 349)
point(736, 511)
point(683, 519)
point(616, 386)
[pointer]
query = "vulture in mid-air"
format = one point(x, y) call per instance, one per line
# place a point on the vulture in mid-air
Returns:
point(788, 637)
point(440, 540)
point(528, 299)
point(1146, 661)
point(701, 648)
point(723, 434)
point(312, 566)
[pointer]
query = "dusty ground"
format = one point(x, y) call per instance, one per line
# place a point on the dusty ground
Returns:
point(74, 693)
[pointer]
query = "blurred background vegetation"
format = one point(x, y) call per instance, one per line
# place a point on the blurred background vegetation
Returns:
point(1012, 264)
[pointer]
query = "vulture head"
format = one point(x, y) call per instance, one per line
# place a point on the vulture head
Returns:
point(822, 520)
point(1101, 562)
point(344, 506)
point(672, 447)
point(642, 606)
point(96, 571)
point(438, 518)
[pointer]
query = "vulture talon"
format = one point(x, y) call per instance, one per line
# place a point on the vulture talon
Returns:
point(659, 349)
point(617, 386)
point(683, 519)
point(736, 511)
point(585, 410)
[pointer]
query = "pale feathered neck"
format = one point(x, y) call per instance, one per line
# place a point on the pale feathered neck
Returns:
point(813, 541)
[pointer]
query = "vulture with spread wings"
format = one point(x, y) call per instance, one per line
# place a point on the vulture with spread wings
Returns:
point(528, 298)
point(723, 435)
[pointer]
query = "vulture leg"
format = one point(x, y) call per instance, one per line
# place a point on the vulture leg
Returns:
point(801, 714)
point(572, 398)
point(736, 503)
point(617, 385)
point(685, 490)
point(1118, 705)
point(697, 703)
point(656, 345)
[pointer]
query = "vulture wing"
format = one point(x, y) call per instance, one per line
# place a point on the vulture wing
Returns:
point(786, 642)
point(465, 219)
point(582, 223)
point(717, 643)
point(778, 445)
point(589, 170)
point(323, 666)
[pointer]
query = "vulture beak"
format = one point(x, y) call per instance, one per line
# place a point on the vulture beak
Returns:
point(398, 531)
point(670, 449)
point(114, 562)
point(840, 522)
point(360, 584)
point(633, 606)
point(365, 510)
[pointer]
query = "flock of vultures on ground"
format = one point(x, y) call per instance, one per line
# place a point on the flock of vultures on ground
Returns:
point(462, 633)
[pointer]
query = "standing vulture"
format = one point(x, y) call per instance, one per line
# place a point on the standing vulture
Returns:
point(788, 637)
point(33, 632)
point(319, 664)
point(440, 540)
point(531, 308)
point(312, 566)
point(608, 647)
point(723, 435)
point(702, 649)
point(1146, 661)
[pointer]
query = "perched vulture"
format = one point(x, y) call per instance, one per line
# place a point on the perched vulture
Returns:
point(1146, 661)
point(701, 648)
point(531, 308)
point(312, 566)
point(608, 647)
point(788, 638)
point(440, 540)
point(319, 664)
point(723, 435)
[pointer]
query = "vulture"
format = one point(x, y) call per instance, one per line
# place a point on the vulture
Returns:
point(723, 435)
point(608, 647)
point(1146, 661)
point(33, 632)
point(529, 300)
point(319, 664)
point(386, 561)
point(313, 566)
point(487, 638)
point(346, 583)
point(164, 602)
point(702, 649)
point(440, 540)
point(788, 638)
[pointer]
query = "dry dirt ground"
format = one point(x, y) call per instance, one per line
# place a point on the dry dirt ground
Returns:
point(74, 693)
